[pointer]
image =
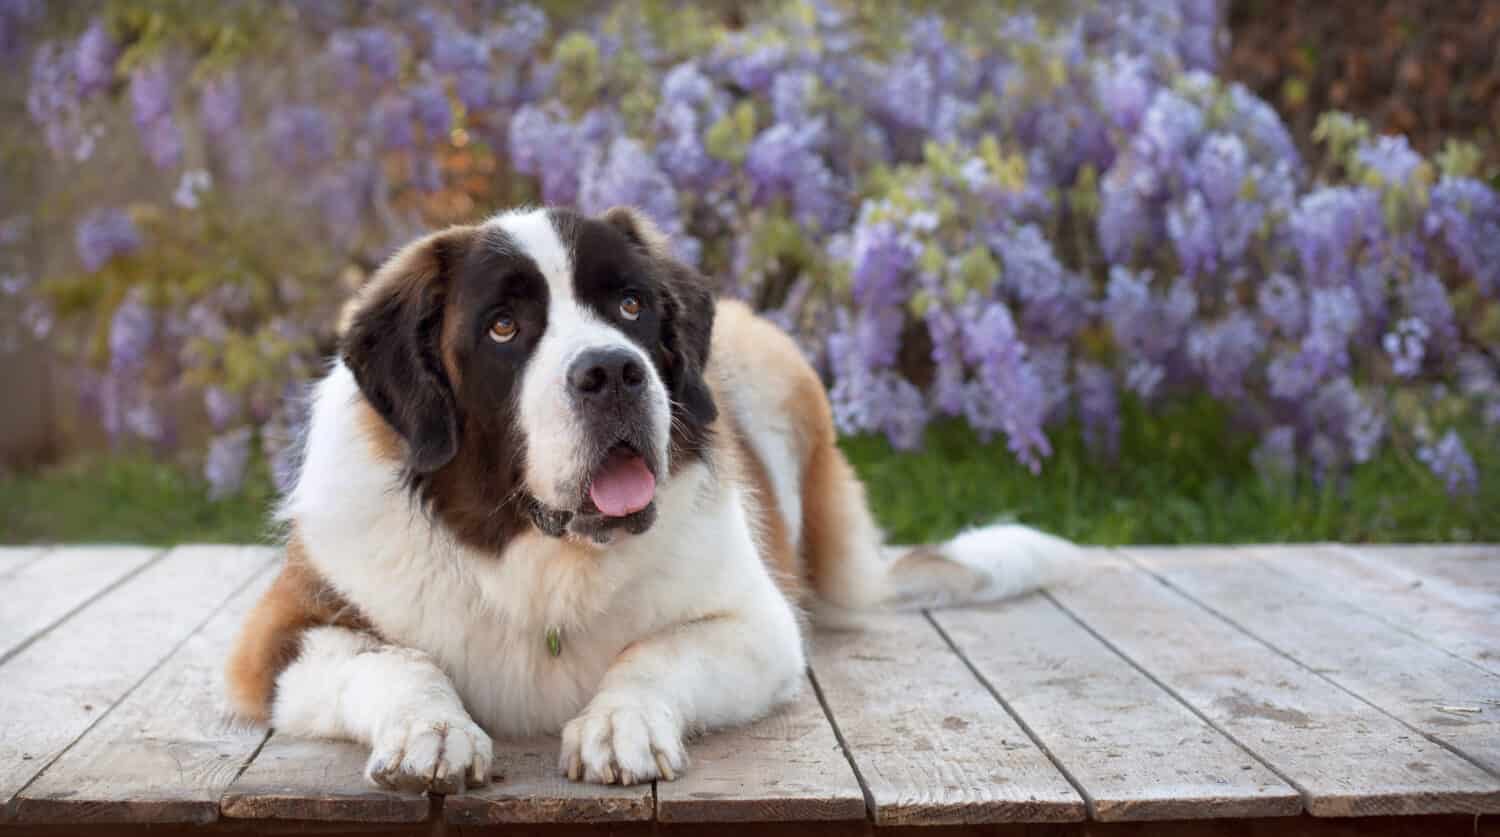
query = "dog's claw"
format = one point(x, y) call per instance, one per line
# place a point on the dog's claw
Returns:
point(665, 768)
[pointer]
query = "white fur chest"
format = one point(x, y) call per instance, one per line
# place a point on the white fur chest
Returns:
point(485, 618)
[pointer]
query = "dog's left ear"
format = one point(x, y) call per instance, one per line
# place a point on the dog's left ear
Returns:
point(389, 339)
point(688, 323)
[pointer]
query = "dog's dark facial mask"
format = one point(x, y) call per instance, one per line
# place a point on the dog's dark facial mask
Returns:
point(543, 370)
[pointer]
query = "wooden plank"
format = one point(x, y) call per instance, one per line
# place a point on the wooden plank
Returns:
point(532, 790)
point(1473, 568)
point(46, 591)
point(786, 768)
point(1346, 757)
point(60, 685)
point(1404, 676)
point(931, 745)
point(1462, 618)
point(167, 751)
point(1133, 748)
point(13, 558)
point(318, 780)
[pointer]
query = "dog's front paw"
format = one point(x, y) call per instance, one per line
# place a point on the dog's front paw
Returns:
point(625, 740)
point(441, 754)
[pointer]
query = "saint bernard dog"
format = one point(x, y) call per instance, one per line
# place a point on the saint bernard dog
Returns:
point(552, 486)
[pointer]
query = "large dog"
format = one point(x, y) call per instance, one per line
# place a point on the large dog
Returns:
point(552, 485)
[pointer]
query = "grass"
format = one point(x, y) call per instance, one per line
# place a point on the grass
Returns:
point(128, 499)
point(1182, 477)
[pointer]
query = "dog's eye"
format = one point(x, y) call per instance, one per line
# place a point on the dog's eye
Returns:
point(630, 307)
point(503, 329)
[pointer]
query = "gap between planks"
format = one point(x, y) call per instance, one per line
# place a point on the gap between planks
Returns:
point(31, 743)
point(1264, 702)
point(96, 571)
point(1106, 724)
point(1325, 649)
point(165, 752)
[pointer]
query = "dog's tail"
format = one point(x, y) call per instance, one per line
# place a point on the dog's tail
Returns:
point(980, 565)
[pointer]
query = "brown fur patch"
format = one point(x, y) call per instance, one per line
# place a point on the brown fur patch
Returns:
point(831, 495)
point(383, 438)
point(777, 549)
point(271, 637)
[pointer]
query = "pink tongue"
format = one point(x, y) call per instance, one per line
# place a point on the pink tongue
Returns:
point(623, 486)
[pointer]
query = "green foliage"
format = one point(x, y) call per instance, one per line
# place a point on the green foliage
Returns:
point(130, 500)
point(1182, 477)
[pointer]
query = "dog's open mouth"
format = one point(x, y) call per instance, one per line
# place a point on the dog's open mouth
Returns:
point(623, 484)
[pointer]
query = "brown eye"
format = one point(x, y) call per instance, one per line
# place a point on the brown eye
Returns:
point(630, 307)
point(503, 329)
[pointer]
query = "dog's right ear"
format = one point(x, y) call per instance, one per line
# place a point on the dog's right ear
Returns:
point(390, 338)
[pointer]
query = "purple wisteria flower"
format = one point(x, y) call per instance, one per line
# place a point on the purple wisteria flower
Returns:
point(1448, 458)
point(53, 102)
point(1098, 408)
point(1466, 213)
point(104, 234)
point(543, 143)
point(301, 135)
point(219, 105)
point(392, 122)
point(1326, 227)
point(1006, 394)
point(432, 109)
point(151, 107)
point(227, 461)
point(132, 330)
point(1390, 158)
point(524, 28)
point(94, 59)
point(222, 406)
point(1224, 352)
point(626, 175)
point(1275, 458)
point(1124, 87)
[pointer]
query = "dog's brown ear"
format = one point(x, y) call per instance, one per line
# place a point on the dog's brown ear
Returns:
point(687, 327)
point(390, 340)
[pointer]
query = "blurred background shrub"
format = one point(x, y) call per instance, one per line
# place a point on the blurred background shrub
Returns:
point(1013, 216)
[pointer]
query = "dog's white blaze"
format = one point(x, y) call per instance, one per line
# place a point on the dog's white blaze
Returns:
point(554, 462)
point(533, 233)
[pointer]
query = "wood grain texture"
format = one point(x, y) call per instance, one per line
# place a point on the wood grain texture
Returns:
point(932, 746)
point(1404, 676)
point(1134, 749)
point(167, 751)
point(61, 684)
point(320, 780)
point(786, 768)
point(1411, 588)
point(47, 590)
point(531, 790)
point(1347, 758)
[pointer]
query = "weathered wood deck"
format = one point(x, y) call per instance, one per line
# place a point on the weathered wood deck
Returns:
point(1254, 690)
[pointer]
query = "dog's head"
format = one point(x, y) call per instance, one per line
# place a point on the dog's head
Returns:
point(542, 368)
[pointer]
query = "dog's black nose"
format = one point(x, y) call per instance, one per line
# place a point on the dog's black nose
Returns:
point(601, 373)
